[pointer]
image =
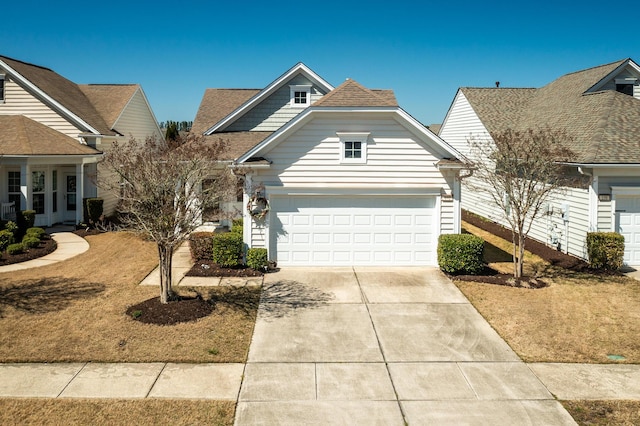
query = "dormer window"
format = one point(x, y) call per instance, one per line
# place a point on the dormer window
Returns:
point(300, 95)
point(353, 147)
point(625, 85)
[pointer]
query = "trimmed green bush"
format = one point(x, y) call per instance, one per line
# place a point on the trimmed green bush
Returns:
point(16, 248)
point(461, 254)
point(6, 238)
point(605, 250)
point(227, 249)
point(12, 227)
point(201, 245)
point(94, 209)
point(257, 259)
point(30, 241)
point(237, 222)
point(36, 232)
point(236, 226)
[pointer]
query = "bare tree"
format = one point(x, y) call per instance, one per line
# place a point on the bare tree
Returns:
point(520, 170)
point(160, 194)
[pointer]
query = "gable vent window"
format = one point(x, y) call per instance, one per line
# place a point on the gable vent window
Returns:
point(300, 95)
point(625, 85)
point(1, 88)
point(353, 147)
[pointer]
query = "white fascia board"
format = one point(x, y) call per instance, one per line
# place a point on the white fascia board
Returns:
point(422, 130)
point(14, 74)
point(612, 74)
point(601, 165)
point(415, 190)
point(453, 102)
point(267, 91)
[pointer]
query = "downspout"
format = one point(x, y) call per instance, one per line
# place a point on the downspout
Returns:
point(593, 199)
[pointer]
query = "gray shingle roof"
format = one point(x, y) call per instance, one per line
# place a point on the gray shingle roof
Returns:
point(604, 125)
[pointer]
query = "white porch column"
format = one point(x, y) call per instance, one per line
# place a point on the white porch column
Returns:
point(79, 192)
point(25, 187)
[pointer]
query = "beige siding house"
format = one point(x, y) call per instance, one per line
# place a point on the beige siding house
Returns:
point(336, 176)
point(599, 108)
point(52, 137)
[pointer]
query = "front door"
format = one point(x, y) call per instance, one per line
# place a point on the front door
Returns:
point(70, 198)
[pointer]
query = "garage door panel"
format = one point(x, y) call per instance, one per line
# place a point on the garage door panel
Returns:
point(628, 225)
point(353, 230)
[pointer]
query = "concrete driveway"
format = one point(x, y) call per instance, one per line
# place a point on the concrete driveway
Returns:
point(384, 346)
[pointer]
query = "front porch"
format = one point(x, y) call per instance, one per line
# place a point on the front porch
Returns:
point(55, 189)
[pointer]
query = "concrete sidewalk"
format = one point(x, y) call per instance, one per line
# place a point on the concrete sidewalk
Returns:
point(68, 246)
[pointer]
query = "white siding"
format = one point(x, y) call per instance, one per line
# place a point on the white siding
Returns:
point(460, 124)
point(311, 157)
point(546, 226)
point(20, 102)
point(137, 120)
point(272, 113)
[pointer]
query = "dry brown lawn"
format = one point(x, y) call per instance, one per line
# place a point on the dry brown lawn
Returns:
point(115, 412)
point(75, 311)
point(580, 317)
point(601, 413)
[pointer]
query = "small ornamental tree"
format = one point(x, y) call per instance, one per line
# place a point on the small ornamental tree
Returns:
point(159, 190)
point(520, 170)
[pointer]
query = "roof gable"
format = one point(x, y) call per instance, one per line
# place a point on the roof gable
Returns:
point(298, 69)
point(604, 125)
point(109, 99)
point(61, 94)
point(216, 104)
point(352, 94)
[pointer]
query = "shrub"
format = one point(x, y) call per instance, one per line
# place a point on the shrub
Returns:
point(30, 241)
point(606, 250)
point(36, 232)
point(201, 245)
point(6, 238)
point(257, 259)
point(460, 254)
point(12, 227)
point(94, 209)
point(16, 248)
point(227, 249)
point(237, 222)
point(25, 220)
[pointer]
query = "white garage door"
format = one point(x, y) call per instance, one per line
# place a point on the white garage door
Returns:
point(322, 230)
point(628, 225)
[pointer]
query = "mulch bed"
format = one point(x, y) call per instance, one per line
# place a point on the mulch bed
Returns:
point(206, 268)
point(47, 245)
point(184, 309)
point(551, 255)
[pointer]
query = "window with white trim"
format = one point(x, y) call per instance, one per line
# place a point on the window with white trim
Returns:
point(38, 191)
point(353, 147)
point(13, 188)
point(300, 95)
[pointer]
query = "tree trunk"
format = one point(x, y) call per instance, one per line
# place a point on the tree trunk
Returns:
point(514, 240)
point(520, 254)
point(165, 255)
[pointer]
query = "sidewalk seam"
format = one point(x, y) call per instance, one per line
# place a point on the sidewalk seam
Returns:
point(155, 381)
point(72, 379)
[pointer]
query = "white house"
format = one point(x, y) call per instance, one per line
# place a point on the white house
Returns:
point(336, 176)
point(52, 134)
point(599, 108)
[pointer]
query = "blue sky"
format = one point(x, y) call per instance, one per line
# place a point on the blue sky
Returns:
point(422, 50)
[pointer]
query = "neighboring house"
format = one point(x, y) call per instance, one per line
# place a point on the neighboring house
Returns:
point(599, 108)
point(52, 133)
point(335, 176)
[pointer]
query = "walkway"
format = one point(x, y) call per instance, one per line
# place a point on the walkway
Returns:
point(69, 245)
